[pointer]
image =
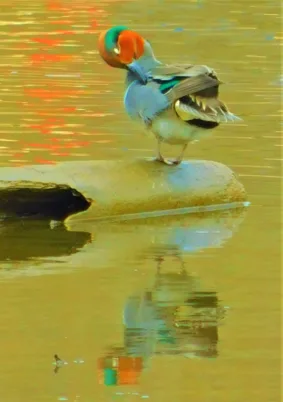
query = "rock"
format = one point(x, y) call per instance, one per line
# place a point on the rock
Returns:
point(107, 189)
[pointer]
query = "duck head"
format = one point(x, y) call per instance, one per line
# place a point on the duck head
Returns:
point(122, 48)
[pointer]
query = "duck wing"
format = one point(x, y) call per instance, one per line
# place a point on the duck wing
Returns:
point(193, 90)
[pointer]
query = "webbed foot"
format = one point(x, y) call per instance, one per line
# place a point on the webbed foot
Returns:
point(176, 162)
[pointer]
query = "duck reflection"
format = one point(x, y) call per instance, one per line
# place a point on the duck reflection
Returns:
point(175, 316)
point(115, 243)
point(25, 240)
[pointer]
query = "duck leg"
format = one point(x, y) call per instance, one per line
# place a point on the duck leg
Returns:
point(178, 160)
point(159, 157)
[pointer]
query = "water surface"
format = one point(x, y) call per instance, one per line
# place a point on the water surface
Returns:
point(181, 308)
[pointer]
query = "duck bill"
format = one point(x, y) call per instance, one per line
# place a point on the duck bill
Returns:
point(136, 69)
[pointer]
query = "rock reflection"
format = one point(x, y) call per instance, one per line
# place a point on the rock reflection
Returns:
point(174, 316)
point(26, 240)
point(115, 243)
point(104, 243)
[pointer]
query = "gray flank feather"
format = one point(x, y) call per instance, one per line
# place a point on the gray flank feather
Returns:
point(144, 101)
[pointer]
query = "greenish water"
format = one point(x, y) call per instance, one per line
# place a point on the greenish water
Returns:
point(172, 308)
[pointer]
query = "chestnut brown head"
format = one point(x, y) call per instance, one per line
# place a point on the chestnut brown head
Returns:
point(120, 46)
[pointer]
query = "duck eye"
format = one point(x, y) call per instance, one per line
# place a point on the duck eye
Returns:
point(116, 50)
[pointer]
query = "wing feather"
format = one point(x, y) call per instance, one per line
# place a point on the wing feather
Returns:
point(216, 111)
point(190, 86)
point(193, 90)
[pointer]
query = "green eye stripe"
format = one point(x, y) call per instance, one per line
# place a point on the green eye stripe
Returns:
point(112, 36)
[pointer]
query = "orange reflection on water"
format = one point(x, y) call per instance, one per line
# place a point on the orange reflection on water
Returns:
point(52, 94)
point(46, 126)
point(42, 161)
point(68, 109)
point(61, 22)
point(42, 57)
point(47, 41)
point(55, 6)
point(56, 82)
point(64, 32)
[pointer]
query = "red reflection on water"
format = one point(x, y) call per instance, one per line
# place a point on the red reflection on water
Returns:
point(52, 94)
point(61, 32)
point(53, 5)
point(41, 127)
point(44, 161)
point(46, 127)
point(54, 135)
point(93, 24)
point(57, 120)
point(47, 41)
point(56, 145)
point(46, 146)
point(40, 145)
point(76, 144)
point(42, 57)
point(69, 109)
point(61, 22)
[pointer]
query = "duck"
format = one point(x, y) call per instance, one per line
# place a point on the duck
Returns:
point(178, 103)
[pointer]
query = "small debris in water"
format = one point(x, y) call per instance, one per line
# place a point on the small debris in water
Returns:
point(79, 361)
point(59, 362)
point(62, 398)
